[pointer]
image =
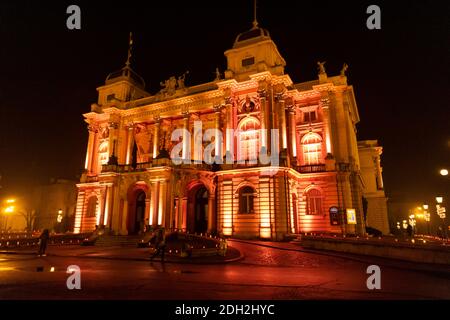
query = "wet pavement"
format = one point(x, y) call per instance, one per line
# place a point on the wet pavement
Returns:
point(285, 272)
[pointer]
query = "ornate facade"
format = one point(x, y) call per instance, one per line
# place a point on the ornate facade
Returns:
point(131, 182)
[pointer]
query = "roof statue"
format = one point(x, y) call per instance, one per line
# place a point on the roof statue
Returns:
point(181, 79)
point(171, 85)
point(218, 75)
point(321, 67)
point(344, 69)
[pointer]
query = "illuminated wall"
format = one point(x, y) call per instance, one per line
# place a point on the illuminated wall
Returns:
point(316, 121)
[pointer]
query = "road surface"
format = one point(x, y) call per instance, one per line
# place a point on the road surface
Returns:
point(264, 273)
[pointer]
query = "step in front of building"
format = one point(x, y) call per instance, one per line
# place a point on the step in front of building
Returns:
point(117, 241)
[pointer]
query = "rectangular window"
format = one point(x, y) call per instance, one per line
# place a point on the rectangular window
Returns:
point(248, 62)
point(309, 116)
point(109, 97)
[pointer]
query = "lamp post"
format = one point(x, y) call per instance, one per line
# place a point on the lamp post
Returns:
point(440, 210)
point(412, 223)
point(443, 172)
point(426, 216)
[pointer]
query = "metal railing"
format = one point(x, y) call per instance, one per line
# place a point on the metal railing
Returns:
point(311, 168)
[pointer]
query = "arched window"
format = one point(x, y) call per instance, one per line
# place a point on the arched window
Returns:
point(248, 139)
point(313, 202)
point(246, 200)
point(312, 148)
point(91, 207)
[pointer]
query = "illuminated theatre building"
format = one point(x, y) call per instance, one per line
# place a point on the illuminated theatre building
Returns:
point(131, 182)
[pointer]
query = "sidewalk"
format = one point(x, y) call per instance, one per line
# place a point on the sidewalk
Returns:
point(393, 263)
point(125, 253)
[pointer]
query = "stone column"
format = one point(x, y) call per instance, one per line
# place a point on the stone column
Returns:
point(90, 146)
point(162, 203)
point(282, 122)
point(342, 141)
point(264, 116)
point(113, 138)
point(123, 228)
point(116, 207)
point(186, 143)
point(211, 218)
point(327, 125)
point(147, 209)
point(153, 220)
point(293, 134)
point(94, 154)
point(180, 213)
point(184, 209)
point(380, 184)
point(217, 146)
point(156, 137)
point(108, 206)
point(229, 126)
point(130, 142)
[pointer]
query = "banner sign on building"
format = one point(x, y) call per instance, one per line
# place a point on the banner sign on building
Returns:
point(351, 216)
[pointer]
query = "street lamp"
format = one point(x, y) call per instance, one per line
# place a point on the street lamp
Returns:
point(8, 210)
point(440, 210)
point(443, 172)
point(60, 216)
point(426, 216)
point(405, 224)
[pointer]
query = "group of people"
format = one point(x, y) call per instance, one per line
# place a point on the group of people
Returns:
point(158, 239)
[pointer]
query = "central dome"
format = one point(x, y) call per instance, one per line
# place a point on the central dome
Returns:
point(255, 34)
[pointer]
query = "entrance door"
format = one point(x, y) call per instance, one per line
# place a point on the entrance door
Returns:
point(139, 212)
point(198, 210)
point(201, 211)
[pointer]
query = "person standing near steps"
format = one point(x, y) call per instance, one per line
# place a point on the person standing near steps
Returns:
point(160, 244)
point(43, 239)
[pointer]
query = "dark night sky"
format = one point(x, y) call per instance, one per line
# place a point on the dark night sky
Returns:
point(48, 74)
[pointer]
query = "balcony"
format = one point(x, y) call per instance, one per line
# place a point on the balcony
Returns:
point(124, 168)
point(311, 168)
point(154, 163)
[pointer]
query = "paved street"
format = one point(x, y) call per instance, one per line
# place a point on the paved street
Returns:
point(264, 273)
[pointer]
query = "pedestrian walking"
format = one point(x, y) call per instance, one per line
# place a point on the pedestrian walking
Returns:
point(43, 239)
point(160, 245)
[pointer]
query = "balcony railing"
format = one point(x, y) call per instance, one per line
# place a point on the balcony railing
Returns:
point(123, 168)
point(154, 163)
point(311, 168)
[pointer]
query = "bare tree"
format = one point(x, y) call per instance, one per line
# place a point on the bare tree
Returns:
point(30, 217)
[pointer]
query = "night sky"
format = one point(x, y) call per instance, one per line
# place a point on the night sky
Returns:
point(48, 74)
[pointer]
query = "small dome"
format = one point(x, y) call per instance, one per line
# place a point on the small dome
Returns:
point(253, 35)
point(126, 73)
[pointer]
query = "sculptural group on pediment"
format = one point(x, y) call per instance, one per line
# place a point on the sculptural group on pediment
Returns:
point(171, 85)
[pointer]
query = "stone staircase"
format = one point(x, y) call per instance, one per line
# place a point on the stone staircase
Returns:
point(117, 241)
point(296, 239)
